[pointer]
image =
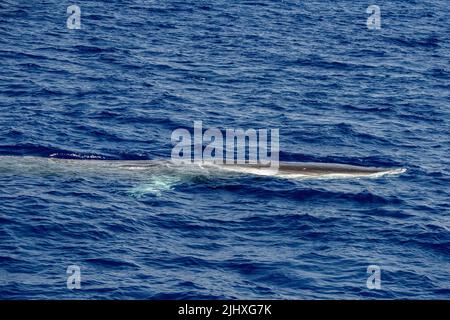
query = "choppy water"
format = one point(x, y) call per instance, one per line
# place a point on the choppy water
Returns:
point(139, 69)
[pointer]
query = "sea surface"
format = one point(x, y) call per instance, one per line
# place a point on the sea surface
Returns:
point(139, 69)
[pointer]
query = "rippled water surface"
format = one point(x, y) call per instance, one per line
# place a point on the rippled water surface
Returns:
point(137, 70)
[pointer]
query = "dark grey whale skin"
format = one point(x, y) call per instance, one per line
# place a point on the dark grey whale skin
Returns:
point(315, 169)
point(304, 168)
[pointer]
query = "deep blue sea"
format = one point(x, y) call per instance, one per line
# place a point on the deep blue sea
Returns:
point(139, 69)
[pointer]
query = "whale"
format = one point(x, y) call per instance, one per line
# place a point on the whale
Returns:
point(290, 170)
point(160, 176)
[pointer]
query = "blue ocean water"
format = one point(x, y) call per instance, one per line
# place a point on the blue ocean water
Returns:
point(138, 69)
